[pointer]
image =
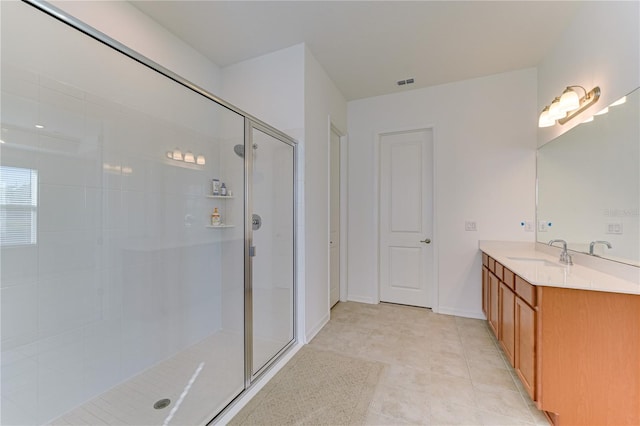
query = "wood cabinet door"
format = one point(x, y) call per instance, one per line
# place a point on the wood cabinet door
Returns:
point(506, 303)
point(525, 345)
point(494, 285)
point(485, 291)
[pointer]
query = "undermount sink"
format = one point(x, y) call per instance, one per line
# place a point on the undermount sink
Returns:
point(542, 262)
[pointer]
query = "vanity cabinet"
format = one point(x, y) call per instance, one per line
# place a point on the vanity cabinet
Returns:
point(525, 345)
point(490, 293)
point(576, 351)
point(499, 301)
point(512, 318)
point(507, 328)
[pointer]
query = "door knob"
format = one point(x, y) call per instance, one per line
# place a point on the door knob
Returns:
point(426, 241)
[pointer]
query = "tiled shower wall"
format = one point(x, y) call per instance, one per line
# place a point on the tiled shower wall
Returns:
point(123, 272)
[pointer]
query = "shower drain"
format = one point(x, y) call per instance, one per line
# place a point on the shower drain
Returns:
point(162, 403)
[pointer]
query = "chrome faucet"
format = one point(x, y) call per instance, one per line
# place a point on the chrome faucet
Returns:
point(593, 243)
point(565, 257)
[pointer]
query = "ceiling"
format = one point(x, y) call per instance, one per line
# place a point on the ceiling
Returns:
point(366, 46)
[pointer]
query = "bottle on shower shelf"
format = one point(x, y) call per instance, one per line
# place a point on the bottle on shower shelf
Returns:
point(215, 187)
point(223, 190)
point(215, 218)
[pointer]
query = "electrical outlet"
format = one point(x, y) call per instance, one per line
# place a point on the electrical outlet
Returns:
point(470, 226)
point(614, 228)
point(528, 226)
point(543, 225)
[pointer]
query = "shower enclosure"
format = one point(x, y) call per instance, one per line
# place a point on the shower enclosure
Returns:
point(131, 291)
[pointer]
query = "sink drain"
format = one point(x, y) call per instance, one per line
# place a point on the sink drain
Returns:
point(162, 403)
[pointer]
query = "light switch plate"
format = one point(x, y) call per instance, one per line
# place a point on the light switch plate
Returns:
point(470, 226)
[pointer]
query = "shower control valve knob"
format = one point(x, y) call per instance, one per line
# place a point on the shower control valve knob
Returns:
point(256, 222)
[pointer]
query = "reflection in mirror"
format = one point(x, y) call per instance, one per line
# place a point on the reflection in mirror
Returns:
point(589, 185)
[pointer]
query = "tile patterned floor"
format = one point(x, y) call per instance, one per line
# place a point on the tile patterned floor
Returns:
point(199, 381)
point(440, 369)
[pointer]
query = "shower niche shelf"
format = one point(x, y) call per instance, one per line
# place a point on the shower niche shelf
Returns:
point(223, 208)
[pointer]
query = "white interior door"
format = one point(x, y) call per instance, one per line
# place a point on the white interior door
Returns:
point(334, 220)
point(406, 218)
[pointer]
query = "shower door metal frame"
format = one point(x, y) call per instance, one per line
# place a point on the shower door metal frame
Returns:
point(250, 125)
point(251, 122)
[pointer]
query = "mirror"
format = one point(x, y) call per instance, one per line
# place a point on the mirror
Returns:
point(589, 185)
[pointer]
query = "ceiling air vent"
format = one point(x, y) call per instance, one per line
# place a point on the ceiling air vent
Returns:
point(403, 82)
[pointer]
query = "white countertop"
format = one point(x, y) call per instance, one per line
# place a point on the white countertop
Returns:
point(542, 269)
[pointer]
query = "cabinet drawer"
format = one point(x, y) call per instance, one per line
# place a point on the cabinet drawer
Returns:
point(499, 269)
point(485, 259)
point(508, 278)
point(492, 265)
point(526, 291)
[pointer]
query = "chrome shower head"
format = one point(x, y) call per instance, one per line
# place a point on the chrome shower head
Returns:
point(239, 149)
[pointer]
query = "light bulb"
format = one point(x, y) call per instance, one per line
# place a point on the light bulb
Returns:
point(555, 111)
point(200, 160)
point(545, 120)
point(177, 155)
point(189, 158)
point(569, 100)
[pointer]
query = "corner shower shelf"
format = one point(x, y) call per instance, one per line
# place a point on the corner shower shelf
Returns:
point(221, 196)
point(219, 226)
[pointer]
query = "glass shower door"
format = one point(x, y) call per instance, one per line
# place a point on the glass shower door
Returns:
point(121, 300)
point(271, 247)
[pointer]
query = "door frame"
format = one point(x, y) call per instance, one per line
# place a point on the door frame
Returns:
point(376, 213)
point(343, 210)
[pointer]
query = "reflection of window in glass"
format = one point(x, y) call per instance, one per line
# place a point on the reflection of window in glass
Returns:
point(18, 206)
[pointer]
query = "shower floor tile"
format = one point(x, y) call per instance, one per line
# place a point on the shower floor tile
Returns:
point(199, 381)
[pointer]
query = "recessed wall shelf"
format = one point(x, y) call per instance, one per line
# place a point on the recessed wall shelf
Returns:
point(219, 226)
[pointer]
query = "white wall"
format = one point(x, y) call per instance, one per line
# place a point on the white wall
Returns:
point(126, 24)
point(485, 140)
point(289, 90)
point(270, 87)
point(601, 47)
point(323, 101)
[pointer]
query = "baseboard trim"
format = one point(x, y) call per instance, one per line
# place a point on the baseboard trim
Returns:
point(361, 299)
point(460, 313)
point(316, 329)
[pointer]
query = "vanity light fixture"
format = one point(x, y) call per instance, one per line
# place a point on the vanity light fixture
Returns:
point(187, 157)
point(567, 106)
